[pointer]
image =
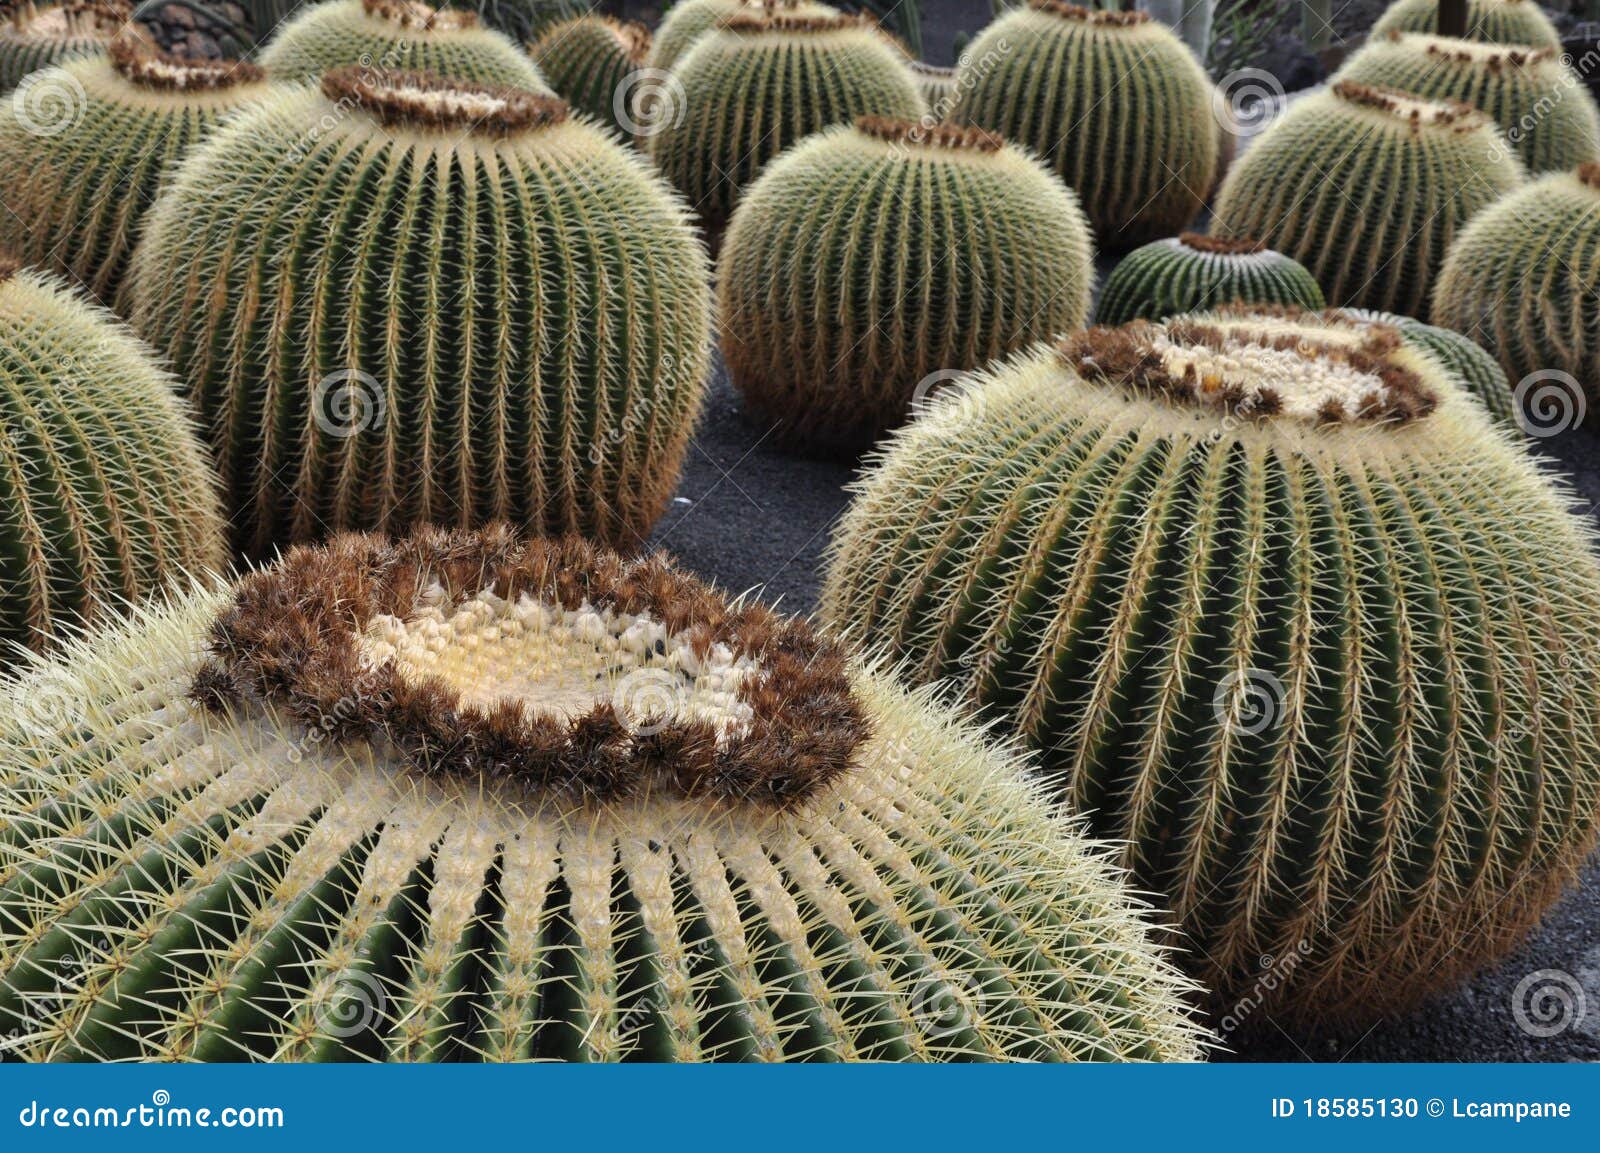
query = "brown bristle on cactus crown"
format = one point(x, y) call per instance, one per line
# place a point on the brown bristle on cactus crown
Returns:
point(420, 17)
point(1107, 17)
point(557, 666)
point(427, 100)
point(923, 68)
point(144, 65)
point(942, 134)
point(1198, 363)
point(1590, 174)
point(1416, 110)
point(9, 266)
point(748, 22)
point(1221, 246)
point(1492, 56)
point(633, 36)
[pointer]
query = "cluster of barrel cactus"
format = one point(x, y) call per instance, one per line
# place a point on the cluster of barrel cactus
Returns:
point(34, 34)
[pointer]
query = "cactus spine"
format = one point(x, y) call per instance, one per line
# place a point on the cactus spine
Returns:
point(398, 35)
point(756, 85)
point(686, 22)
point(1288, 616)
point(1488, 21)
point(903, 896)
point(1188, 273)
point(76, 200)
point(1523, 280)
point(105, 494)
point(1541, 105)
point(938, 87)
point(870, 256)
point(1366, 187)
point(588, 61)
point(35, 35)
point(1112, 99)
point(456, 305)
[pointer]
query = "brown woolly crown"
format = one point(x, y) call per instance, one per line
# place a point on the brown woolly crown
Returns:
point(1590, 174)
point(1493, 57)
point(1221, 246)
point(1215, 369)
point(755, 22)
point(923, 68)
point(942, 134)
point(1416, 110)
point(428, 100)
point(9, 266)
point(1104, 17)
point(144, 65)
point(634, 37)
point(419, 17)
point(294, 634)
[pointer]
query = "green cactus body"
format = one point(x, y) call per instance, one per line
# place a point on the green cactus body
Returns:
point(398, 35)
point(1113, 100)
point(1523, 280)
point(105, 493)
point(75, 200)
point(938, 87)
point(449, 304)
point(1366, 187)
point(1540, 104)
point(588, 61)
point(221, 882)
point(757, 85)
point(1289, 617)
point(1488, 21)
point(36, 35)
point(686, 22)
point(872, 257)
point(1187, 273)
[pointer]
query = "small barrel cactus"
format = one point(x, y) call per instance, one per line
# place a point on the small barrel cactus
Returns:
point(35, 34)
point(398, 35)
point(589, 62)
point(105, 492)
point(1187, 273)
point(1288, 616)
point(1488, 21)
point(1113, 100)
point(756, 85)
point(447, 304)
point(686, 22)
point(1541, 105)
point(1523, 280)
point(1366, 187)
point(870, 258)
point(464, 797)
point(938, 87)
point(76, 200)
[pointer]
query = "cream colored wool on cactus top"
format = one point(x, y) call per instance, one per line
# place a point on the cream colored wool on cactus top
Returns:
point(35, 35)
point(1284, 613)
point(1490, 21)
point(686, 22)
point(235, 886)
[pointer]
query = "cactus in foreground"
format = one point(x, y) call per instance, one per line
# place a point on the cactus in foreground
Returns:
point(588, 61)
point(398, 35)
point(757, 85)
point(1523, 280)
point(872, 257)
point(34, 35)
point(462, 797)
point(1187, 273)
point(1113, 100)
point(686, 22)
point(1289, 617)
point(456, 305)
point(1488, 21)
point(1366, 187)
point(1541, 105)
point(75, 200)
point(105, 493)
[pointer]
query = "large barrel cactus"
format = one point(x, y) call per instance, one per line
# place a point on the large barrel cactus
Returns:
point(76, 200)
point(449, 304)
point(391, 35)
point(462, 797)
point(1523, 280)
point(589, 61)
point(35, 34)
point(1488, 21)
point(758, 84)
point(686, 22)
point(1113, 100)
point(105, 493)
point(1189, 272)
point(1287, 615)
point(1540, 104)
point(1366, 187)
point(871, 258)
